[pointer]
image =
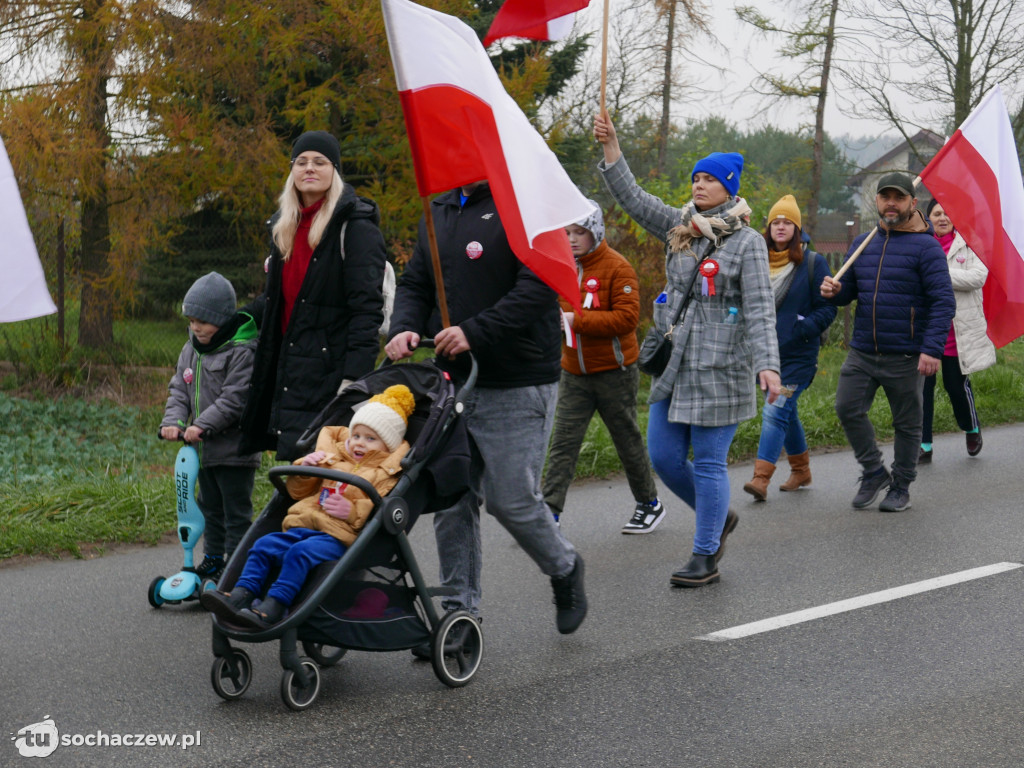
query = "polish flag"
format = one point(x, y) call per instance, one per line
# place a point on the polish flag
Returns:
point(534, 19)
point(464, 127)
point(23, 291)
point(976, 177)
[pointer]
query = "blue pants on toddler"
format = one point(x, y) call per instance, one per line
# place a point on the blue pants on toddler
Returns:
point(298, 551)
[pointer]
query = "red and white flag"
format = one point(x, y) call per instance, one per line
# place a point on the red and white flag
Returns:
point(534, 19)
point(23, 291)
point(976, 177)
point(463, 127)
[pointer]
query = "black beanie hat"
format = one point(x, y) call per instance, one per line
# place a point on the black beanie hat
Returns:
point(319, 141)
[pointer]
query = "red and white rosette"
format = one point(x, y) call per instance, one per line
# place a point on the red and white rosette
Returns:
point(592, 285)
point(708, 270)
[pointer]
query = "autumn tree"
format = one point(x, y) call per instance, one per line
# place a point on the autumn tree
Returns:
point(809, 43)
point(927, 65)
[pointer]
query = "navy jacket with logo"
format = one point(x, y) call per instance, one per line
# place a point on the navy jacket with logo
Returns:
point(510, 317)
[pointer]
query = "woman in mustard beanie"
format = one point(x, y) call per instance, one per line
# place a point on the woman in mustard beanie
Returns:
point(801, 315)
point(327, 516)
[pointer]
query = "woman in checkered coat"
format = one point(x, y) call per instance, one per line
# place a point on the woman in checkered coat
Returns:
point(725, 336)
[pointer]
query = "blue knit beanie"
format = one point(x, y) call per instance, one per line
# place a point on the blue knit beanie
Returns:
point(724, 166)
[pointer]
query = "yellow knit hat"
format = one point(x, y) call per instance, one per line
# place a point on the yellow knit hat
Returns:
point(786, 208)
point(387, 414)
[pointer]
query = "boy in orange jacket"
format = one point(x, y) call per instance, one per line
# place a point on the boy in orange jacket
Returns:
point(599, 373)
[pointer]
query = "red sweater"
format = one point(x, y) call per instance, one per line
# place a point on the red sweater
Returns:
point(293, 272)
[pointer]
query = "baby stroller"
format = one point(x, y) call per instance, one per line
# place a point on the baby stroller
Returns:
point(374, 598)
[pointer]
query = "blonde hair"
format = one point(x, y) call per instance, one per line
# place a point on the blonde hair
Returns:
point(290, 208)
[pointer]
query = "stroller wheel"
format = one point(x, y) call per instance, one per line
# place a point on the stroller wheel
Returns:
point(231, 675)
point(294, 695)
point(154, 592)
point(324, 655)
point(456, 648)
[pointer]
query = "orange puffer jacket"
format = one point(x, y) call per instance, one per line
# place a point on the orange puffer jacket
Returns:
point(605, 334)
point(379, 467)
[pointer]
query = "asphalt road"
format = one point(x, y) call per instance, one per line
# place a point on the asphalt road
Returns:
point(934, 679)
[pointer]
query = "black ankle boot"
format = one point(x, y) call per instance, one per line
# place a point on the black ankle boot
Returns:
point(701, 570)
point(268, 613)
point(225, 605)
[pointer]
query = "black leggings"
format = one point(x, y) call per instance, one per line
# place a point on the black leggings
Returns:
point(961, 396)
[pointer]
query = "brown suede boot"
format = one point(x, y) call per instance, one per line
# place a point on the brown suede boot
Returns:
point(800, 473)
point(758, 487)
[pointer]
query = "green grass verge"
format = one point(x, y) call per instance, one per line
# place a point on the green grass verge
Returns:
point(74, 474)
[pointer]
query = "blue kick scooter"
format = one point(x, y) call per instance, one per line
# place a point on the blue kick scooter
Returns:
point(185, 584)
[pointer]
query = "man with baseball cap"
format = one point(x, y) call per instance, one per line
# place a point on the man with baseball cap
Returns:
point(904, 309)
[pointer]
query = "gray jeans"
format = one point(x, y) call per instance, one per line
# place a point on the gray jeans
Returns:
point(509, 431)
point(859, 379)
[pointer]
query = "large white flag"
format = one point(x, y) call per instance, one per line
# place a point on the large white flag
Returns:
point(23, 291)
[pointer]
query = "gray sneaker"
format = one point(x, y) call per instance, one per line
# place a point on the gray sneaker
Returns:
point(896, 500)
point(870, 486)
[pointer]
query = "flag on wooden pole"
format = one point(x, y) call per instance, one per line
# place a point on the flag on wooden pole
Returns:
point(534, 19)
point(464, 127)
point(976, 178)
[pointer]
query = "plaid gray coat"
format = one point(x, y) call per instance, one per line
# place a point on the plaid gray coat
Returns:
point(711, 376)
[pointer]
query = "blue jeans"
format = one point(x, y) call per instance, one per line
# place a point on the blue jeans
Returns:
point(298, 551)
point(781, 428)
point(509, 431)
point(702, 484)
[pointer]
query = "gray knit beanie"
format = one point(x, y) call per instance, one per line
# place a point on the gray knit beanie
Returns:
point(211, 299)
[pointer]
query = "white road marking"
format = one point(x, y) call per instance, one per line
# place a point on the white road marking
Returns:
point(852, 604)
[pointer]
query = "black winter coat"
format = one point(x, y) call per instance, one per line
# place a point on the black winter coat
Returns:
point(332, 333)
point(510, 317)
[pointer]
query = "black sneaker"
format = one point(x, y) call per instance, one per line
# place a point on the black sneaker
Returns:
point(870, 486)
point(896, 500)
point(210, 568)
point(570, 600)
point(645, 518)
point(974, 443)
point(924, 456)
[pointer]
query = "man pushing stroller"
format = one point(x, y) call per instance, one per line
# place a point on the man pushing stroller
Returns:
point(327, 516)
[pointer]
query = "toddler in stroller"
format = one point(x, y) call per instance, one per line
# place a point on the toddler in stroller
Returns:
point(373, 596)
point(328, 515)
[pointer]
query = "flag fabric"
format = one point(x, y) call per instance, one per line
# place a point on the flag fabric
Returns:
point(976, 178)
point(464, 127)
point(534, 19)
point(23, 291)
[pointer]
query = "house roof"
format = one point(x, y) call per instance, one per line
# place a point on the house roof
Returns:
point(923, 139)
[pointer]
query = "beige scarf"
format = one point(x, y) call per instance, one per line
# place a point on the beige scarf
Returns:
point(715, 227)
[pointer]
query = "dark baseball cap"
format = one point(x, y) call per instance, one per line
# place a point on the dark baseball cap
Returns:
point(898, 181)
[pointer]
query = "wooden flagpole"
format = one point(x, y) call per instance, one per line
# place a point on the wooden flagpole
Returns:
point(435, 259)
point(604, 59)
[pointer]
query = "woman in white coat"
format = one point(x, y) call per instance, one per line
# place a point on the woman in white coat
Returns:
point(968, 348)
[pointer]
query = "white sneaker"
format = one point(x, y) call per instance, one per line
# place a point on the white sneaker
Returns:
point(645, 518)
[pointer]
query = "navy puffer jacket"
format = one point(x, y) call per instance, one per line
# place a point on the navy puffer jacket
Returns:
point(904, 296)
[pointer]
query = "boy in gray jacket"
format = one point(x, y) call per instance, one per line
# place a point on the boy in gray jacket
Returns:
point(207, 395)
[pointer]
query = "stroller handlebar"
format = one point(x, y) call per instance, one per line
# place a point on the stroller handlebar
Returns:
point(277, 476)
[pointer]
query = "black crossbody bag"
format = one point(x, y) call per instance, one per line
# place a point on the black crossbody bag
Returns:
point(656, 349)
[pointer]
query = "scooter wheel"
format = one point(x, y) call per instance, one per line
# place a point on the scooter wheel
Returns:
point(324, 655)
point(154, 591)
point(231, 676)
point(294, 695)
